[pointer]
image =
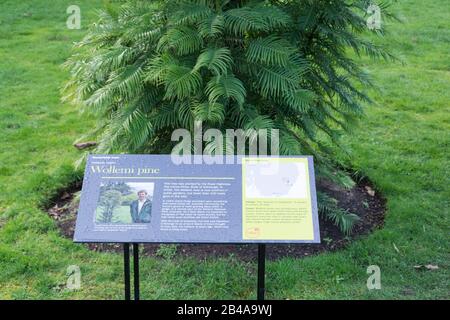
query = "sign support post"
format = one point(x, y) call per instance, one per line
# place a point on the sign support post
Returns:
point(136, 271)
point(126, 270)
point(261, 271)
point(126, 258)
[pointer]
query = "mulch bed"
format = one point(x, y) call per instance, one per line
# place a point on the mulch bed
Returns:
point(362, 200)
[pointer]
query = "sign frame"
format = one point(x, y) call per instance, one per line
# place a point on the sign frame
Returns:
point(84, 222)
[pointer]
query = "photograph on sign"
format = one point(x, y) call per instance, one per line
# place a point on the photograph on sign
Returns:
point(150, 198)
point(124, 202)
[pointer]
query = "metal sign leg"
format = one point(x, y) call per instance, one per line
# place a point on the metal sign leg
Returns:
point(136, 271)
point(261, 270)
point(126, 269)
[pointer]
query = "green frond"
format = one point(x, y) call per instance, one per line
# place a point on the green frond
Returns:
point(259, 18)
point(270, 51)
point(158, 68)
point(212, 113)
point(138, 128)
point(299, 101)
point(243, 20)
point(186, 114)
point(113, 59)
point(226, 87)
point(259, 122)
point(217, 60)
point(165, 116)
point(337, 176)
point(328, 207)
point(148, 36)
point(181, 82)
point(189, 12)
point(288, 144)
point(101, 97)
point(241, 114)
point(275, 81)
point(212, 27)
point(275, 16)
point(129, 82)
point(253, 125)
point(181, 39)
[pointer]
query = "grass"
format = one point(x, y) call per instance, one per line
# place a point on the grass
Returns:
point(402, 146)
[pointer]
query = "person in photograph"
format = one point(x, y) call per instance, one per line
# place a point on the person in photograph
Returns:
point(141, 209)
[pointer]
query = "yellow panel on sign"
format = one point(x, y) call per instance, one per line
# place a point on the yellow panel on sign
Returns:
point(276, 199)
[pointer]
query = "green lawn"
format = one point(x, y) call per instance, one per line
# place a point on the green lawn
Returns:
point(403, 146)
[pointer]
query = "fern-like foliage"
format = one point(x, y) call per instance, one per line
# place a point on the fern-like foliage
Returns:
point(328, 207)
point(149, 67)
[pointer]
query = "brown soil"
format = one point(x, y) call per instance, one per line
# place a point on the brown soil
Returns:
point(362, 200)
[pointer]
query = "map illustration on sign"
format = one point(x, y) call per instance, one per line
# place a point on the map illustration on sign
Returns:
point(271, 179)
point(150, 198)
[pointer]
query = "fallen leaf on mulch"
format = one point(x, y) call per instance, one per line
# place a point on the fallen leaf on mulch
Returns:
point(426, 267)
point(84, 145)
point(56, 212)
point(65, 196)
point(370, 191)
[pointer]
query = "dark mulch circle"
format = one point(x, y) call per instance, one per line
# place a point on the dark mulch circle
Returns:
point(362, 200)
